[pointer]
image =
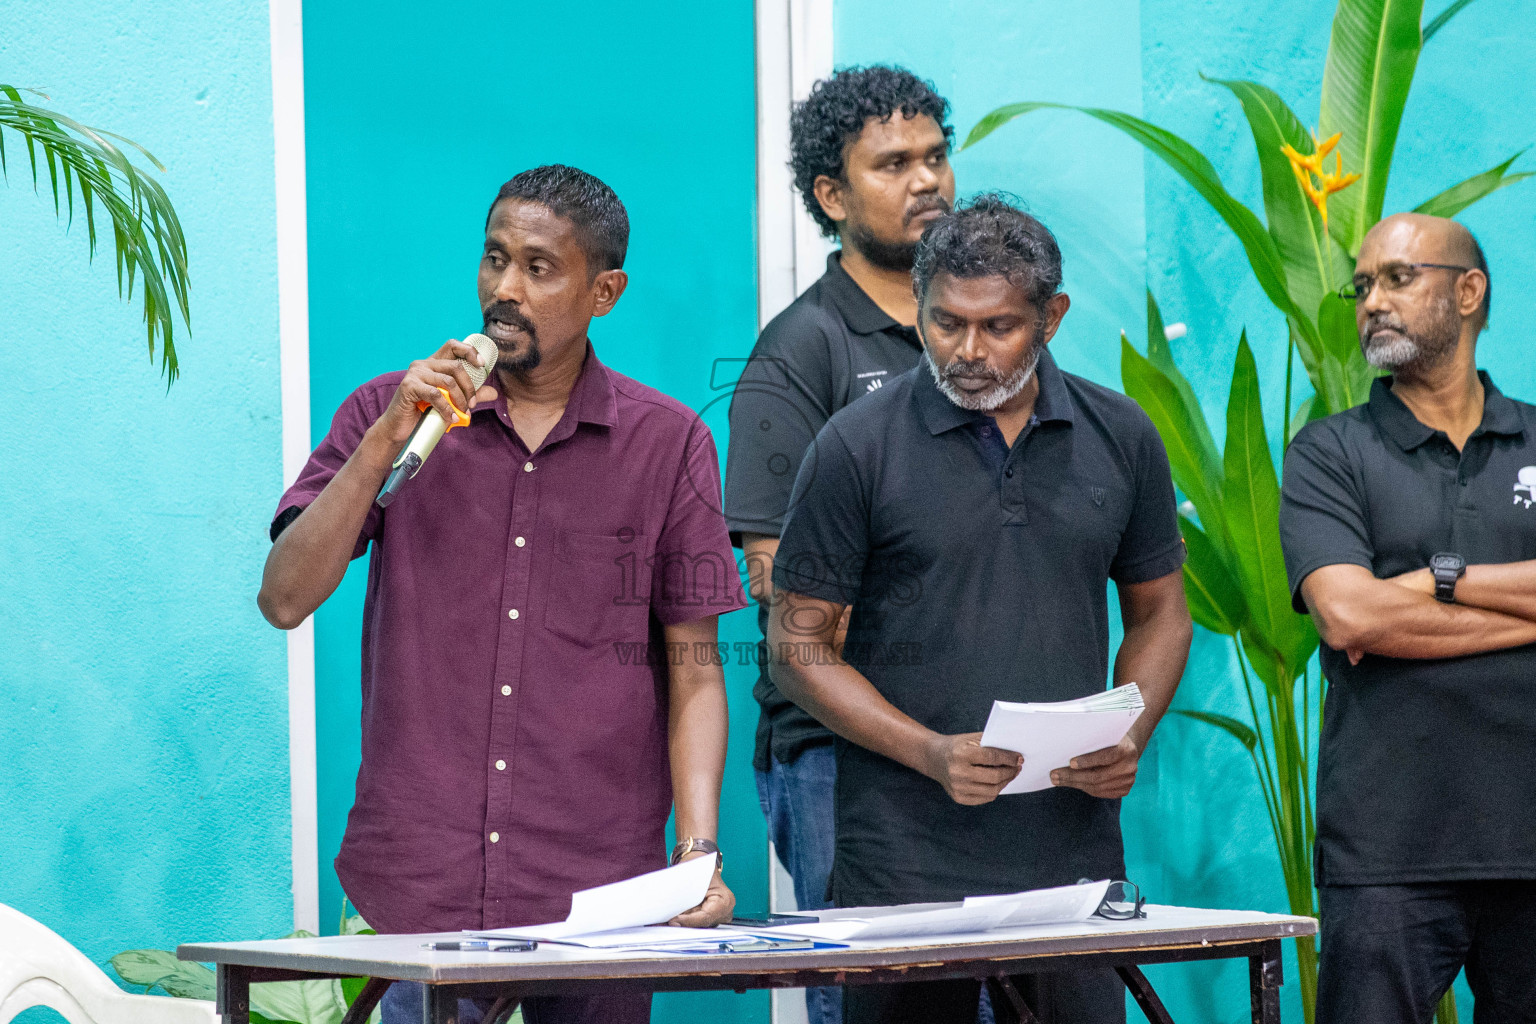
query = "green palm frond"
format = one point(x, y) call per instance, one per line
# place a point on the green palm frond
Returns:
point(146, 234)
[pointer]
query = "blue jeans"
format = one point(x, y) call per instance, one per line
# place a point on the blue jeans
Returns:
point(797, 801)
point(402, 1004)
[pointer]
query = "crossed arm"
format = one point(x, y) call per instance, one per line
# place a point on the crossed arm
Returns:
point(1157, 636)
point(1399, 617)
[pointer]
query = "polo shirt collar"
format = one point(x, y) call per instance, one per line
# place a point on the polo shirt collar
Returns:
point(1399, 423)
point(593, 398)
point(858, 309)
point(940, 414)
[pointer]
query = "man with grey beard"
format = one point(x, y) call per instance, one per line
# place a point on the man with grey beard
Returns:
point(1409, 527)
point(972, 512)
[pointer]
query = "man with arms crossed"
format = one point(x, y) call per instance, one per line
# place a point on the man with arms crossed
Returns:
point(972, 513)
point(509, 758)
point(871, 160)
point(1409, 526)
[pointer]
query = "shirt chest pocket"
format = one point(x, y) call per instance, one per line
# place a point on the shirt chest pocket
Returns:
point(599, 588)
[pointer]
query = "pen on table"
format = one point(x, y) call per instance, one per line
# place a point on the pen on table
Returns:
point(481, 946)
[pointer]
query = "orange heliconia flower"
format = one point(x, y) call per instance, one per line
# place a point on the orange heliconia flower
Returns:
point(1310, 167)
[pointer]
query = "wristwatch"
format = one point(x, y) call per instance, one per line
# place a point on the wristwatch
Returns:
point(1447, 568)
point(695, 845)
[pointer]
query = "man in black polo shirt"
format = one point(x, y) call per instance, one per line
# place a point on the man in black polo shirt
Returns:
point(972, 513)
point(1409, 527)
point(871, 160)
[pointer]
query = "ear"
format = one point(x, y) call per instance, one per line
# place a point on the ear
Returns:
point(829, 193)
point(607, 286)
point(1055, 309)
point(1470, 291)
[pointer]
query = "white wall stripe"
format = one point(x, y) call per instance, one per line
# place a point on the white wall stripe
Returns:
point(287, 24)
point(793, 50)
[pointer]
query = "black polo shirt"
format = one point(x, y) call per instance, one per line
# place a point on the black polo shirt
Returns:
point(975, 578)
point(827, 348)
point(1427, 769)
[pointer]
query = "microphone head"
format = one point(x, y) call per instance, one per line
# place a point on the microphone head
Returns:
point(487, 349)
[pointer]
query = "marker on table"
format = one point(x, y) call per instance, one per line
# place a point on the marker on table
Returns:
point(481, 946)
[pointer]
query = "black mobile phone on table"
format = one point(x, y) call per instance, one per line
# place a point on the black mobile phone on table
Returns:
point(773, 920)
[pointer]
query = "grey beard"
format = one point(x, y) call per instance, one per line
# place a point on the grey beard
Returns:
point(997, 395)
point(1415, 350)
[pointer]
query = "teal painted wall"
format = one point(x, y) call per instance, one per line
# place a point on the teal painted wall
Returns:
point(1125, 221)
point(143, 702)
point(413, 123)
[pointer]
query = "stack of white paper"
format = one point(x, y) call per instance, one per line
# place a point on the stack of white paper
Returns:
point(631, 912)
point(976, 914)
point(1051, 735)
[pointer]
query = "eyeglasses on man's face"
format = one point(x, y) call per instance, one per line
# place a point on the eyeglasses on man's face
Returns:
point(1392, 277)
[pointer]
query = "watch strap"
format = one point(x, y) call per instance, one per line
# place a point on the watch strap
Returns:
point(693, 844)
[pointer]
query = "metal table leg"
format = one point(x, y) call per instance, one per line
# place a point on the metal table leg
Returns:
point(366, 1000)
point(501, 1010)
point(1264, 981)
point(1145, 997)
point(440, 1005)
point(232, 994)
point(1006, 998)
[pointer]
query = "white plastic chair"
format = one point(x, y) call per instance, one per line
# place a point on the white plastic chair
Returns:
point(38, 968)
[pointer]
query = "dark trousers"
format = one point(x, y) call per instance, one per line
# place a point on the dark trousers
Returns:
point(1066, 997)
point(1389, 952)
point(402, 1004)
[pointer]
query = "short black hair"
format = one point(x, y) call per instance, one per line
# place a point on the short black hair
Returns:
point(826, 122)
point(601, 222)
point(989, 235)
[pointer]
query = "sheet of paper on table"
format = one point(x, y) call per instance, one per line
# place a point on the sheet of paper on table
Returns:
point(631, 912)
point(976, 914)
point(1051, 735)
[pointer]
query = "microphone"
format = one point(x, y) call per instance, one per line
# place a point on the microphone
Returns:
point(432, 426)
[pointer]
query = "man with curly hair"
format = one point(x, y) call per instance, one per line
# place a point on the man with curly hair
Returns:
point(870, 153)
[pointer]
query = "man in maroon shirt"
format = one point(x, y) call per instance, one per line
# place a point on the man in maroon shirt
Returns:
point(523, 735)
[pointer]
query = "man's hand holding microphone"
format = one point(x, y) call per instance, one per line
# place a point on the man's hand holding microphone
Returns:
point(310, 557)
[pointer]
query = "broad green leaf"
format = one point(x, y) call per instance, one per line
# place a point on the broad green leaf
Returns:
point(1346, 376)
point(1372, 54)
point(355, 925)
point(1191, 452)
point(1191, 165)
point(1458, 197)
point(1244, 735)
point(158, 967)
point(318, 1001)
point(1252, 503)
point(1429, 33)
point(1310, 408)
point(1215, 599)
point(1157, 331)
point(1314, 263)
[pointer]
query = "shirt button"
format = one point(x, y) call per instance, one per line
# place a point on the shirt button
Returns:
point(495, 837)
point(519, 542)
point(512, 614)
point(527, 467)
point(1008, 473)
point(501, 766)
point(506, 691)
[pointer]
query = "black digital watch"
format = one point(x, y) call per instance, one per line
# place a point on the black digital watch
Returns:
point(1447, 568)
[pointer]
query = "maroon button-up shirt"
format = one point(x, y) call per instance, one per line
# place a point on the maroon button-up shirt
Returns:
point(514, 744)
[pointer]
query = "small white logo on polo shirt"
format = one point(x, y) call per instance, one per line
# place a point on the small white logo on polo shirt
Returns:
point(874, 384)
point(1525, 488)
